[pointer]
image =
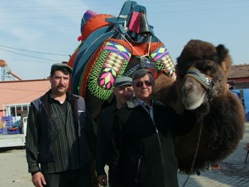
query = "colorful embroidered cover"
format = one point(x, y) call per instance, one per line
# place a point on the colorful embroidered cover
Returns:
point(108, 47)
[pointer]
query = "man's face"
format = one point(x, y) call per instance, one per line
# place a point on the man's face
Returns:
point(143, 88)
point(59, 82)
point(123, 94)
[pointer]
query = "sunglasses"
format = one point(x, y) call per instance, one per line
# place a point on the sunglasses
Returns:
point(141, 83)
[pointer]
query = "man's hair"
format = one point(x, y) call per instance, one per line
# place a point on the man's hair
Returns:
point(141, 73)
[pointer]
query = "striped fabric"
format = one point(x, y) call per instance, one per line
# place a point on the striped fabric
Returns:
point(65, 143)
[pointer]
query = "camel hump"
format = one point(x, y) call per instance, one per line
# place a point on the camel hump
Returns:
point(106, 40)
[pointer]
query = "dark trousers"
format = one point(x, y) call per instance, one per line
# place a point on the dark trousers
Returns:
point(78, 178)
point(116, 181)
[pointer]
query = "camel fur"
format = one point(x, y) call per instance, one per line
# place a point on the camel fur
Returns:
point(221, 117)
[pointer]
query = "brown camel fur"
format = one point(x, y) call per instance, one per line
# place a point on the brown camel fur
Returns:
point(221, 116)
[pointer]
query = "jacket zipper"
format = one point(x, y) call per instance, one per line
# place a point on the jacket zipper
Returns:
point(160, 145)
point(161, 153)
point(138, 168)
point(151, 114)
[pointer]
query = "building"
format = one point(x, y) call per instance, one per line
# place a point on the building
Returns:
point(15, 96)
point(239, 84)
point(239, 76)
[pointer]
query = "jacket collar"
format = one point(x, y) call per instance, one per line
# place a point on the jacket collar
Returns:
point(135, 102)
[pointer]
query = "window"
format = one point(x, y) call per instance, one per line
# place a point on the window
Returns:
point(17, 110)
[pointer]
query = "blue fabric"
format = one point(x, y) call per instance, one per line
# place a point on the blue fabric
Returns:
point(85, 52)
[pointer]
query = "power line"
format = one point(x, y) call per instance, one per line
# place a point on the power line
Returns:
point(29, 55)
point(156, 4)
point(33, 51)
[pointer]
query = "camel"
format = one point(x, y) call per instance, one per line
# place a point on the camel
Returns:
point(201, 86)
point(109, 51)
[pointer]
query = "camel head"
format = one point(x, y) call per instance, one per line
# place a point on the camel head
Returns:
point(202, 71)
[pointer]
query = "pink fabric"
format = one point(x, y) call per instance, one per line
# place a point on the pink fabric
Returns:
point(135, 22)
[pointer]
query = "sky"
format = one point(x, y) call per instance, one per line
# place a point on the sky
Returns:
point(34, 34)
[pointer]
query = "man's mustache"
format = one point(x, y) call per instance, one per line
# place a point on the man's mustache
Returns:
point(60, 85)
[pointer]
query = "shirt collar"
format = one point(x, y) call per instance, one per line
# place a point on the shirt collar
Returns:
point(134, 102)
point(51, 99)
point(143, 103)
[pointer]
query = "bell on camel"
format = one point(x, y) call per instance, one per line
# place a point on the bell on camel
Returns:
point(144, 25)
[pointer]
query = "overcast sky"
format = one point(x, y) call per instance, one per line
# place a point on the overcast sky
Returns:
point(34, 34)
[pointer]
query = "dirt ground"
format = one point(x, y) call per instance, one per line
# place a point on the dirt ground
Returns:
point(14, 169)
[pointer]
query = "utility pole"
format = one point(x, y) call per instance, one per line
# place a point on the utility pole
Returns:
point(6, 72)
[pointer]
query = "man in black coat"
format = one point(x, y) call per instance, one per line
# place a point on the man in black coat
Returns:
point(142, 151)
point(123, 91)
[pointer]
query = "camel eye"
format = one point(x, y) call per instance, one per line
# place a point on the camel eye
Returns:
point(205, 66)
point(210, 66)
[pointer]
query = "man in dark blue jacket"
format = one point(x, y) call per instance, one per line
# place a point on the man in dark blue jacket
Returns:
point(60, 135)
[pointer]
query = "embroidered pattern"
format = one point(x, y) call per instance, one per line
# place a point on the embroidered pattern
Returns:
point(164, 61)
point(110, 64)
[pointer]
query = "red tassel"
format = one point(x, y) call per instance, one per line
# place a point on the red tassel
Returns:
point(80, 38)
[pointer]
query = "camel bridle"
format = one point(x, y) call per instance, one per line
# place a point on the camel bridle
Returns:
point(209, 84)
point(205, 80)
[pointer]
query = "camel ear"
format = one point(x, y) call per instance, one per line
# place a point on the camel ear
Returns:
point(222, 53)
point(224, 58)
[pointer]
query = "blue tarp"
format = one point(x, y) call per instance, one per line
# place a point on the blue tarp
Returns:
point(246, 100)
point(246, 103)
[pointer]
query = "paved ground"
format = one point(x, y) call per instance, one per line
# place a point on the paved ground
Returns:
point(13, 169)
point(234, 172)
